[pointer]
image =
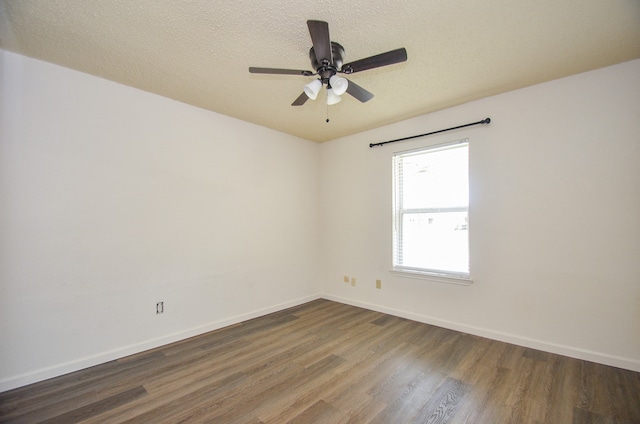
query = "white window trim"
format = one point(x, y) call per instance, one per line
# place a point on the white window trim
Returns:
point(439, 276)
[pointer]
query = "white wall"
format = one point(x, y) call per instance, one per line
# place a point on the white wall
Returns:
point(112, 199)
point(554, 218)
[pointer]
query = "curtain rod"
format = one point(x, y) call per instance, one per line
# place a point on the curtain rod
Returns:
point(484, 121)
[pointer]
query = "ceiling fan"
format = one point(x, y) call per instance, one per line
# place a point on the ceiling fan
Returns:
point(327, 60)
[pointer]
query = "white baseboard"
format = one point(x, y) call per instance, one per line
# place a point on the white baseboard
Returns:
point(86, 362)
point(82, 363)
point(587, 355)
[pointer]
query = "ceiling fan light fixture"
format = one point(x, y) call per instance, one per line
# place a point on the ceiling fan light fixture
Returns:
point(339, 85)
point(313, 88)
point(332, 97)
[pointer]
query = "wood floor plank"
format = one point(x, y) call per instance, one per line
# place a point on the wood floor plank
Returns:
point(92, 409)
point(442, 406)
point(294, 401)
point(326, 362)
point(190, 404)
point(407, 404)
point(318, 412)
point(41, 411)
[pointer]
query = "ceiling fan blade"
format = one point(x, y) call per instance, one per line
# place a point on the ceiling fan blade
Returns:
point(358, 92)
point(278, 71)
point(382, 59)
point(300, 100)
point(319, 31)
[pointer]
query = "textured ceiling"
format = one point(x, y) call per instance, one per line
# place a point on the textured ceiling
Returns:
point(199, 52)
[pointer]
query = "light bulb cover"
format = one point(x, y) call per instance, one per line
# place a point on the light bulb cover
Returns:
point(339, 85)
point(332, 97)
point(312, 89)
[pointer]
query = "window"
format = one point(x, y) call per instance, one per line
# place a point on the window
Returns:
point(431, 205)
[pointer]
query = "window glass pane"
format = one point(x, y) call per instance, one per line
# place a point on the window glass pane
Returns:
point(431, 198)
point(436, 179)
point(435, 241)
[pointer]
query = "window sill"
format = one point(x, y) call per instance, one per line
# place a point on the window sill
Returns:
point(439, 278)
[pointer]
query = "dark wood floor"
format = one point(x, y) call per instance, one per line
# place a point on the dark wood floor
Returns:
point(325, 362)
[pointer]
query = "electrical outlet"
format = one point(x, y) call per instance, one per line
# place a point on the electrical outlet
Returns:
point(378, 284)
point(346, 279)
point(353, 281)
point(159, 307)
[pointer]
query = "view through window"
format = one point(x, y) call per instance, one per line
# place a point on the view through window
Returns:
point(431, 204)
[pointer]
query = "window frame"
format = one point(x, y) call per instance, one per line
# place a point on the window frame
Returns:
point(454, 277)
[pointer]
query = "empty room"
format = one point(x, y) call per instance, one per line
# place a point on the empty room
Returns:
point(319, 212)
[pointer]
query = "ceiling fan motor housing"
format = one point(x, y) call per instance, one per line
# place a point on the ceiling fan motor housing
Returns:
point(331, 65)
